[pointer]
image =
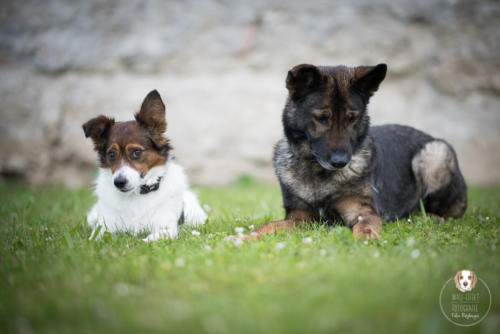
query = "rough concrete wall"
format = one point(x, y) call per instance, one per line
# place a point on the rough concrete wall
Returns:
point(221, 65)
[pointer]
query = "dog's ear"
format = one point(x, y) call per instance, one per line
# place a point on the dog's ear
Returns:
point(303, 79)
point(98, 130)
point(152, 114)
point(368, 78)
point(152, 118)
point(456, 279)
point(474, 280)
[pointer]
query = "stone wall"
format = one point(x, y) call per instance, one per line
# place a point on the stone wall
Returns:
point(221, 65)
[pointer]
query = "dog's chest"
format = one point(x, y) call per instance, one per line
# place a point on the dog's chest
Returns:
point(314, 185)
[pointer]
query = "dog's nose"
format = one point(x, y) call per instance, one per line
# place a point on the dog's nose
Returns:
point(465, 283)
point(120, 182)
point(339, 160)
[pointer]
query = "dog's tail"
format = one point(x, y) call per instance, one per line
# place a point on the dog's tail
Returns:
point(193, 214)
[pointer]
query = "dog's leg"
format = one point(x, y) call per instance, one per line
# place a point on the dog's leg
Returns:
point(294, 218)
point(439, 180)
point(193, 213)
point(359, 214)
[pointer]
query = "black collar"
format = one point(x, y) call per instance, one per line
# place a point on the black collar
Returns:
point(146, 189)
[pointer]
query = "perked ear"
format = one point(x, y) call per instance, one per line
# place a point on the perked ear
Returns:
point(303, 79)
point(98, 130)
point(368, 78)
point(152, 114)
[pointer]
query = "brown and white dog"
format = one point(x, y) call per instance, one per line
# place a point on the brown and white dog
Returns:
point(465, 280)
point(139, 186)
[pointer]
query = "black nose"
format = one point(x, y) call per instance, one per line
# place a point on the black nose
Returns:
point(339, 160)
point(120, 182)
point(465, 283)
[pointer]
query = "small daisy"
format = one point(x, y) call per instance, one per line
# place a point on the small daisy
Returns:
point(239, 230)
point(365, 242)
point(238, 242)
point(410, 242)
point(307, 240)
point(194, 232)
point(280, 245)
point(251, 227)
point(415, 253)
point(360, 218)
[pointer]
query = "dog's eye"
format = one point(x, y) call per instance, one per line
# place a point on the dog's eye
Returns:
point(461, 277)
point(351, 118)
point(136, 154)
point(111, 155)
point(323, 119)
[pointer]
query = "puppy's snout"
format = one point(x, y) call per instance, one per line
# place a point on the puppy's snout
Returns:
point(120, 182)
point(465, 283)
point(339, 160)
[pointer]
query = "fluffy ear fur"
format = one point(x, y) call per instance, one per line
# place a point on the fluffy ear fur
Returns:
point(474, 280)
point(98, 130)
point(456, 279)
point(302, 79)
point(368, 78)
point(152, 113)
point(152, 118)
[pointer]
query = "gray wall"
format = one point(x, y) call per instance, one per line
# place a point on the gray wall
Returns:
point(221, 65)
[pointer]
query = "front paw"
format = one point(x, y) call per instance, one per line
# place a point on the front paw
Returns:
point(162, 234)
point(237, 239)
point(366, 231)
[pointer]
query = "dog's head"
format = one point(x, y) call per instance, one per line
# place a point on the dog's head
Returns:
point(465, 280)
point(326, 109)
point(130, 150)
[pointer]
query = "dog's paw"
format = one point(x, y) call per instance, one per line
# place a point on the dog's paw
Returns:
point(252, 236)
point(365, 231)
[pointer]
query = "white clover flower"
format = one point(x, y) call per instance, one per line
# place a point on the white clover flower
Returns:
point(280, 245)
point(207, 248)
point(365, 242)
point(385, 241)
point(307, 240)
point(194, 232)
point(360, 218)
point(180, 262)
point(239, 230)
point(251, 227)
point(238, 242)
point(415, 253)
point(410, 242)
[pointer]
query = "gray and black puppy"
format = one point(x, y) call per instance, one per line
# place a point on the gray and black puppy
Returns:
point(334, 167)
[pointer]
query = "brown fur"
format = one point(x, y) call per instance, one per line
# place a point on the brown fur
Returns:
point(458, 277)
point(359, 213)
point(295, 218)
point(118, 143)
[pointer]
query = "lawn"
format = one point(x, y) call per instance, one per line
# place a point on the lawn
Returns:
point(53, 279)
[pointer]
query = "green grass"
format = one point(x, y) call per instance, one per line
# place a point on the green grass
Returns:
point(52, 279)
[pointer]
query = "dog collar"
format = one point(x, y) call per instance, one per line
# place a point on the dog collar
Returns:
point(146, 189)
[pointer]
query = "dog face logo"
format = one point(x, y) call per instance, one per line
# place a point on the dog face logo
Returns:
point(465, 280)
